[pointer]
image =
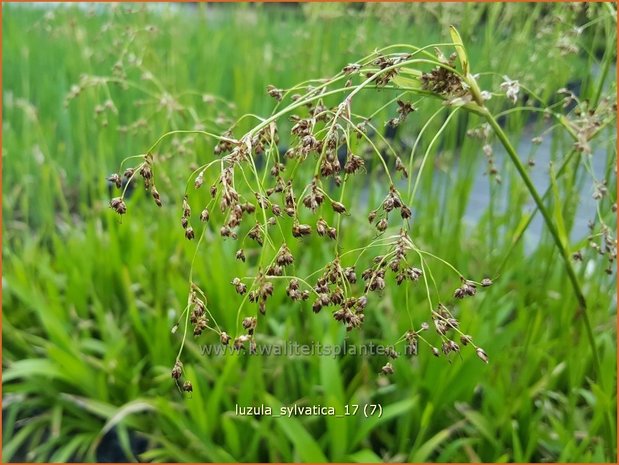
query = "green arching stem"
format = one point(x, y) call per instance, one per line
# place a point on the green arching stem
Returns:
point(353, 91)
point(407, 306)
point(425, 281)
point(186, 325)
point(188, 131)
point(338, 221)
point(426, 269)
point(524, 175)
point(417, 139)
point(558, 174)
point(427, 153)
point(383, 139)
point(580, 297)
point(380, 156)
point(191, 286)
point(202, 168)
point(310, 287)
point(363, 62)
point(445, 262)
point(246, 116)
point(603, 74)
point(372, 244)
point(390, 102)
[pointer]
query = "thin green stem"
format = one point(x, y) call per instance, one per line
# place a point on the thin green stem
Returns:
point(427, 154)
point(524, 175)
point(580, 297)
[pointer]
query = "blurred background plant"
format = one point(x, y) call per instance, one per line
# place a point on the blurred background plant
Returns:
point(89, 300)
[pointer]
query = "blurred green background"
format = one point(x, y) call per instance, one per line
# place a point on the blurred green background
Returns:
point(89, 300)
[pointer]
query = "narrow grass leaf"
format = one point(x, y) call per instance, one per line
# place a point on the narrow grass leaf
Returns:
point(306, 446)
point(389, 413)
point(364, 456)
point(425, 451)
point(460, 50)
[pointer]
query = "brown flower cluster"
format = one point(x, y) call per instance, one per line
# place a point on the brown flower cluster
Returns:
point(264, 199)
point(387, 69)
point(443, 81)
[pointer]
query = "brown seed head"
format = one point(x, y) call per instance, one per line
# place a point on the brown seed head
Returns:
point(321, 227)
point(118, 205)
point(372, 216)
point(299, 230)
point(155, 193)
point(177, 370)
point(338, 207)
point(199, 180)
point(249, 323)
point(353, 164)
point(481, 354)
point(274, 92)
point(241, 288)
point(146, 172)
point(284, 257)
point(387, 369)
point(115, 178)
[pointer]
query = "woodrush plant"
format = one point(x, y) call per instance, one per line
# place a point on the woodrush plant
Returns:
point(128, 46)
point(255, 188)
